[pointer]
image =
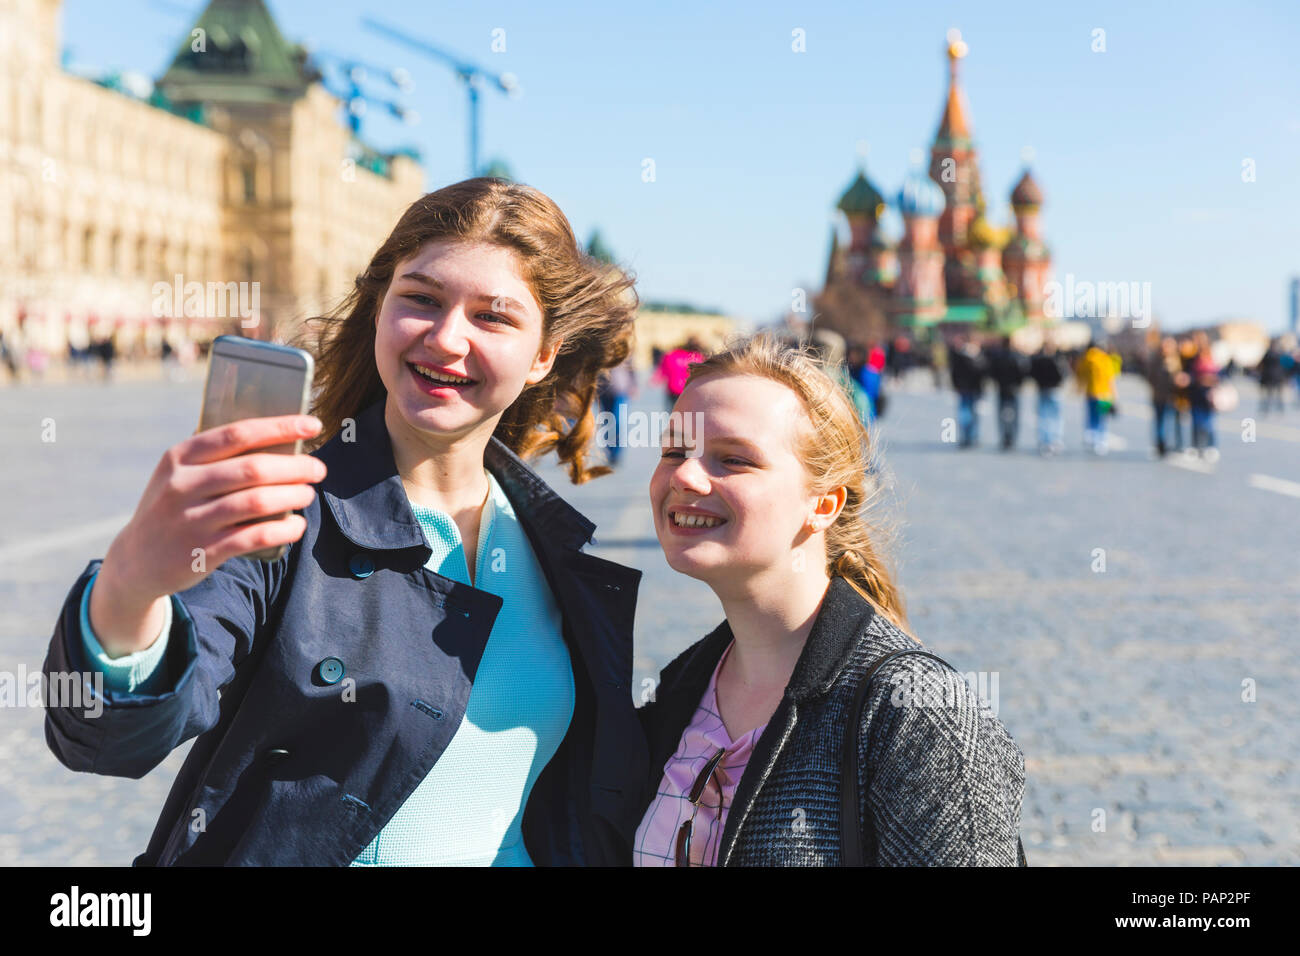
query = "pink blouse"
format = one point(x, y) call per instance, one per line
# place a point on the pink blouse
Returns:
point(656, 837)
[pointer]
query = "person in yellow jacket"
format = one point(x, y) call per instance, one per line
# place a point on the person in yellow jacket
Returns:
point(1096, 373)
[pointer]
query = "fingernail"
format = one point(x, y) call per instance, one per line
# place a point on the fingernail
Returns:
point(314, 423)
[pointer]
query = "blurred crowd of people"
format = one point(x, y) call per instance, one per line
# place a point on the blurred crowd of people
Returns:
point(1187, 389)
point(972, 364)
point(96, 353)
point(1187, 386)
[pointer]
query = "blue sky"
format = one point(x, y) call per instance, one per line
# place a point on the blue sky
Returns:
point(1139, 149)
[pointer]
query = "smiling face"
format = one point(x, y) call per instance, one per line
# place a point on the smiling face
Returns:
point(740, 504)
point(458, 336)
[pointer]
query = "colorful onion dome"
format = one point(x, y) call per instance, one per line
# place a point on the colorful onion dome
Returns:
point(861, 198)
point(984, 235)
point(1027, 192)
point(920, 195)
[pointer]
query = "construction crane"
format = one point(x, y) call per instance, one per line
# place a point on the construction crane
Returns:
point(473, 78)
point(348, 75)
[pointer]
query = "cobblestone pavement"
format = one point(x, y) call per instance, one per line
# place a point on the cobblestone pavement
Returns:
point(1122, 681)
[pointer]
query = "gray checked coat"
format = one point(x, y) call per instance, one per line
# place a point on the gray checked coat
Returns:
point(946, 779)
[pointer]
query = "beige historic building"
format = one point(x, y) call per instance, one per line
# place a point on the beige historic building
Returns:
point(230, 198)
point(667, 328)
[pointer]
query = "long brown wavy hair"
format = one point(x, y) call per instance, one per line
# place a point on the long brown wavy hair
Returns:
point(835, 449)
point(588, 303)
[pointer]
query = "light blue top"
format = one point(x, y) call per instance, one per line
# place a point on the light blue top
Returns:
point(468, 811)
point(138, 673)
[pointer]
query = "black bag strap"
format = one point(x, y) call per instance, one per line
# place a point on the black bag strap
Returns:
point(850, 831)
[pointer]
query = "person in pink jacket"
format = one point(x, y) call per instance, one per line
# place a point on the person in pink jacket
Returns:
point(675, 368)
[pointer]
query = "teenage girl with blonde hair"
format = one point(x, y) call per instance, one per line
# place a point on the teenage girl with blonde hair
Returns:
point(810, 727)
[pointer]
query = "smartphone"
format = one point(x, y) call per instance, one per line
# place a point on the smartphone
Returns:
point(252, 379)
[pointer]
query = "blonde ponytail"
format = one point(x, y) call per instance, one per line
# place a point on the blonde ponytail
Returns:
point(861, 567)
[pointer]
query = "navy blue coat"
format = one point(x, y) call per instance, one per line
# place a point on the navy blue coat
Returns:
point(285, 770)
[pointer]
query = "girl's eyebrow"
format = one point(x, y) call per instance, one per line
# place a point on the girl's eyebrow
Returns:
point(421, 278)
point(735, 440)
point(670, 434)
point(500, 302)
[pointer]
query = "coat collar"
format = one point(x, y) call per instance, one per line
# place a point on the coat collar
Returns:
point(366, 496)
point(842, 617)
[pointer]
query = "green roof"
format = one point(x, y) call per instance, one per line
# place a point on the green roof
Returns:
point(156, 98)
point(964, 313)
point(967, 312)
point(239, 57)
point(683, 307)
point(861, 198)
point(367, 157)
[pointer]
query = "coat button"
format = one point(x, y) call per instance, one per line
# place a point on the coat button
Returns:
point(361, 565)
point(276, 755)
point(330, 670)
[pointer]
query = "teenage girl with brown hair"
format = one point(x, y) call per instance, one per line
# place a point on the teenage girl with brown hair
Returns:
point(434, 672)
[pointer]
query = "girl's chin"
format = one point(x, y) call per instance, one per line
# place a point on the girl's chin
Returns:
point(699, 572)
point(446, 419)
point(689, 561)
point(712, 565)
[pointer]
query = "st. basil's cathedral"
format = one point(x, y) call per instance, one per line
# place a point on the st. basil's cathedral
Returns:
point(951, 268)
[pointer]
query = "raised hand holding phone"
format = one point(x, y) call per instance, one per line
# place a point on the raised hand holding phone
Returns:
point(229, 490)
point(209, 500)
